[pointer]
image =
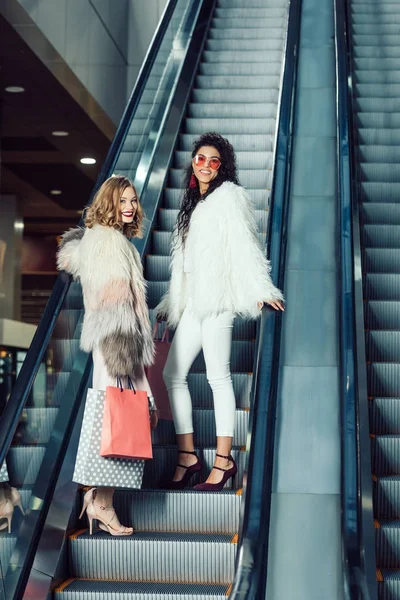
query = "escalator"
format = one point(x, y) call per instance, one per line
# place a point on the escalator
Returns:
point(243, 50)
point(374, 53)
point(185, 542)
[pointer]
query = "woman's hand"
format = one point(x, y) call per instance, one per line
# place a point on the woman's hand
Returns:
point(276, 304)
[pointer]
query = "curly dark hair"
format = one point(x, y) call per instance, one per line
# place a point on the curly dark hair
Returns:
point(226, 172)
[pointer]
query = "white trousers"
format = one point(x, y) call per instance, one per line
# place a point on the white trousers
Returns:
point(101, 378)
point(214, 335)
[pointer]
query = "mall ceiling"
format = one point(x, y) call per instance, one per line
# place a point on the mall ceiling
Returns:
point(41, 168)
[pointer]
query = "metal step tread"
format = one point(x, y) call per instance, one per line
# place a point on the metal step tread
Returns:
point(159, 536)
point(153, 556)
point(177, 510)
point(382, 314)
point(75, 589)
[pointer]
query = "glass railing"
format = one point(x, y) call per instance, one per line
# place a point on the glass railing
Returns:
point(39, 417)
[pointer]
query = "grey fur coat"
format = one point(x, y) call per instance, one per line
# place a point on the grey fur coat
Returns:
point(116, 317)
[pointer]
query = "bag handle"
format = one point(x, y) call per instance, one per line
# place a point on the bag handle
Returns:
point(165, 335)
point(130, 384)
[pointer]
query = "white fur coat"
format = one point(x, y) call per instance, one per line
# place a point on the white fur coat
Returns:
point(229, 268)
point(116, 318)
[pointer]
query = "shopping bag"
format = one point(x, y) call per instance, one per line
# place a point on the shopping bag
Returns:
point(126, 424)
point(93, 469)
point(155, 374)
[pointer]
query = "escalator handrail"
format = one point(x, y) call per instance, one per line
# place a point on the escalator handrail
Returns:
point(358, 548)
point(252, 554)
point(23, 385)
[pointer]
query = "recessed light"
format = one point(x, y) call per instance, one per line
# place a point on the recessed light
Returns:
point(88, 160)
point(59, 133)
point(55, 192)
point(15, 89)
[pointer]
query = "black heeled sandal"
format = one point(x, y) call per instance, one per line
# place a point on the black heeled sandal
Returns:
point(217, 487)
point(190, 471)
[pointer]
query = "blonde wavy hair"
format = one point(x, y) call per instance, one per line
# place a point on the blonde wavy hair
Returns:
point(105, 208)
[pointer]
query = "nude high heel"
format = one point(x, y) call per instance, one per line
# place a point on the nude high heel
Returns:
point(7, 508)
point(87, 499)
point(104, 523)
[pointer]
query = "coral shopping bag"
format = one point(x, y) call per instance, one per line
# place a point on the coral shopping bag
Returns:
point(126, 424)
point(155, 374)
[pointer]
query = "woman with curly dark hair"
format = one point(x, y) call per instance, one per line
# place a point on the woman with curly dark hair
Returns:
point(219, 271)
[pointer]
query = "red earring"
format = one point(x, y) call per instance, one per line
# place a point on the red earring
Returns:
point(192, 182)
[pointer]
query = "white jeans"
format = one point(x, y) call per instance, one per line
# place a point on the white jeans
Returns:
point(101, 378)
point(214, 335)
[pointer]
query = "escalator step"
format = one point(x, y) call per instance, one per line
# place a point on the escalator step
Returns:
point(270, 30)
point(36, 425)
point(257, 46)
point(147, 556)
point(379, 120)
point(241, 142)
point(265, 12)
point(236, 82)
point(377, 104)
point(162, 510)
point(377, 52)
point(62, 353)
point(380, 236)
point(379, 192)
point(23, 464)
point(379, 154)
point(380, 214)
point(236, 10)
point(382, 346)
point(243, 56)
point(381, 260)
point(7, 545)
point(382, 315)
point(379, 137)
point(379, 286)
point(376, 28)
point(67, 324)
point(76, 589)
point(387, 537)
point(384, 379)
point(382, 76)
point(384, 414)
point(228, 126)
point(276, 6)
point(247, 23)
point(385, 454)
point(386, 494)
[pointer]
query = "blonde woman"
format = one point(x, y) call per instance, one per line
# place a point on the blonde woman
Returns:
point(116, 327)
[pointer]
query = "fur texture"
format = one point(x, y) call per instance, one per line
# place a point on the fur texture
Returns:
point(114, 293)
point(230, 270)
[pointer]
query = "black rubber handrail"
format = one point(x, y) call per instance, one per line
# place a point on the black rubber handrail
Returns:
point(252, 555)
point(23, 385)
point(357, 547)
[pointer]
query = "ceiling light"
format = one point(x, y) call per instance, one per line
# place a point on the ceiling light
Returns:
point(59, 133)
point(55, 192)
point(88, 161)
point(15, 89)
